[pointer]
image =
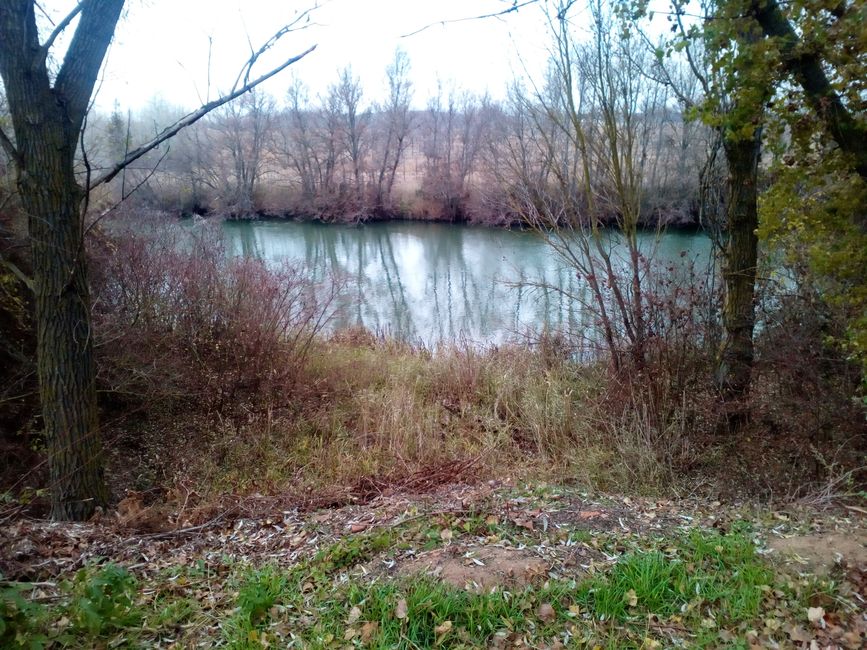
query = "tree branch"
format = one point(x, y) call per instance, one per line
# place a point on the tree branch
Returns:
point(62, 25)
point(17, 272)
point(254, 56)
point(189, 119)
point(80, 68)
point(9, 148)
point(515, 6)
point(806, 67)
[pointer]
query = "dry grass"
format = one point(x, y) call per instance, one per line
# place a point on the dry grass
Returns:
point(378, 410)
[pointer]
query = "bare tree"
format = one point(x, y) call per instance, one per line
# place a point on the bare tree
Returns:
point(346, 96)
point(245, 127)
point(579, 156)
point(398, 123)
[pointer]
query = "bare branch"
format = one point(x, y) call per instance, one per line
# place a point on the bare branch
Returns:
point(515, 6)
point(62, 25)
point(189, 119)
point(125, 195)
point(17, 272)
point(254, 56)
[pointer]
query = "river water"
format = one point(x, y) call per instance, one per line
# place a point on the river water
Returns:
point(434, 283)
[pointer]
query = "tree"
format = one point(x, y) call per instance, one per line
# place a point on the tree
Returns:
point(397, 126)
point(245, 128)
point(347, 95)
point(48, 112)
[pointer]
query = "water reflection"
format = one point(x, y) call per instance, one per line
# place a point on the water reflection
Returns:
point(437, 282)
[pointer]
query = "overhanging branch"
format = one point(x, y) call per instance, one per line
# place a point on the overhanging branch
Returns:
point(189, 119)
point(806, 67)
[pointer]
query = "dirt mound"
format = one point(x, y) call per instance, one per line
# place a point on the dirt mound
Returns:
point(480, 569)
point(819, 553)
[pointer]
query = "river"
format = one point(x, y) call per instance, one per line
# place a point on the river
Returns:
point(434, 283)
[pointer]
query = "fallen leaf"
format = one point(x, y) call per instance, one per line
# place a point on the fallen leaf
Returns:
point(354, 615)
point(444, 628)
point(357, 528)
point(400, 610)
point(368, 630)
point(800, 635)
point(816, 615)
point(631, 598)
point(446, 534)
point(350, 634)
point(546, 612)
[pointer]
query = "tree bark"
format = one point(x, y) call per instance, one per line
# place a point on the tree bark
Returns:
point(739, 267)
point(47, 122)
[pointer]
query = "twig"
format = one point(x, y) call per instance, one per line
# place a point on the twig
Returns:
point(190, 529)
point(515, 6)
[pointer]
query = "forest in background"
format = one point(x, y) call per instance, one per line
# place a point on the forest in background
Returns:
point(350, 155)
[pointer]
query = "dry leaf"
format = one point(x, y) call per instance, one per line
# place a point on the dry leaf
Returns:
point(800, 635)
point(816, 615)
point(444, 628)
point(546, 612)
point(368, 630)
point(354, 615)
point(446, 534)
point(631, 598)
point(350, 634)
point(357, 528)
point(400, 610)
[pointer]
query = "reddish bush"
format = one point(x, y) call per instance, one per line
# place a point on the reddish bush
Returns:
point(178, 320)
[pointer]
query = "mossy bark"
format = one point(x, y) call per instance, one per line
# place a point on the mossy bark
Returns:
point(739, 268)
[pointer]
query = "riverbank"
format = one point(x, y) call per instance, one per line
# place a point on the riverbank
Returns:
point(679, 219)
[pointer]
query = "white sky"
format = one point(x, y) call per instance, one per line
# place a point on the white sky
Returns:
point(161, 46)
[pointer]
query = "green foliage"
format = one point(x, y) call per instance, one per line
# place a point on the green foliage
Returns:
point(20, 620)
point(103, 601)
point(353, 550)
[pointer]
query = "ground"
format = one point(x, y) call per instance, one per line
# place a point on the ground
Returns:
point(492, 565)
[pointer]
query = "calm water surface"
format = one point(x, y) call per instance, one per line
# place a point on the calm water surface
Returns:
point(440, 282)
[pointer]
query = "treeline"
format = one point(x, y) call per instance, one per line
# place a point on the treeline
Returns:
point(344, 156)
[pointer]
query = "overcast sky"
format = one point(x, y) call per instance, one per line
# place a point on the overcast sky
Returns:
point(161, 46)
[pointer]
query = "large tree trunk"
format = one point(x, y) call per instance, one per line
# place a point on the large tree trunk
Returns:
point(64, 350)
point(739, 268)
point(47, 121)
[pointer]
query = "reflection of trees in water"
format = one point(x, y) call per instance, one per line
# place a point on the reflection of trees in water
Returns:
point(402, 321)
point(435, 282)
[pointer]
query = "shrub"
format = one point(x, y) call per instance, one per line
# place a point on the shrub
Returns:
point(179, 320)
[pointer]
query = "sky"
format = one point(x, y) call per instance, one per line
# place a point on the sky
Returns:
point(161, 47)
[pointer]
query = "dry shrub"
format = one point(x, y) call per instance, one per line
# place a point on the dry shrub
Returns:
point(179, 322)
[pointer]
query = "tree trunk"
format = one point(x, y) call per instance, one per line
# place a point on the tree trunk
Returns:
point(64, 350)
point(739, 268)
point(47, 122)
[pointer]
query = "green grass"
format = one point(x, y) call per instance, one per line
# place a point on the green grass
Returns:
point(699, 581)
point(719, 574)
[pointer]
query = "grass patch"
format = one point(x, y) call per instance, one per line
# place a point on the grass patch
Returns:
point(706, 586)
